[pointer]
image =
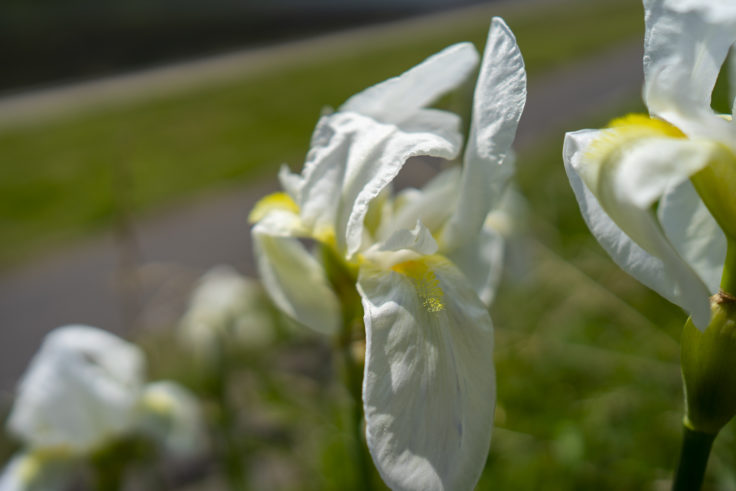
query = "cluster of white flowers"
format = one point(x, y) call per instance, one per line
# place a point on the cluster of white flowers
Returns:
point(84, 390)
point(423, 261)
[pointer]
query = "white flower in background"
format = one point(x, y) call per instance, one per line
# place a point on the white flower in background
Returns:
point(423, 260)
point(658, 191)
point(226, 307)
point(81, 392)
point(171, 415)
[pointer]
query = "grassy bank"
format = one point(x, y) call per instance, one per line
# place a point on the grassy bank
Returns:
point(60, 179)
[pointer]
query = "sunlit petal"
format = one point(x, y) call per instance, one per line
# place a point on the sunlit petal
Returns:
point(685, 45)
point(500, 95)
point(429, 386)
point(399, 97)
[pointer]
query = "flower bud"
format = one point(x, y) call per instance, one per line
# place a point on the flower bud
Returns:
point(709, 368)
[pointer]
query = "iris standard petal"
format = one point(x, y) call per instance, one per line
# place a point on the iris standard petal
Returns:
point(481, 261)
point(79, 390)
point(429, 384)
point(655, 263)
point(694, 233)
point(296, 281)
point(684, 48)
point(398, 98)
point(500, 95)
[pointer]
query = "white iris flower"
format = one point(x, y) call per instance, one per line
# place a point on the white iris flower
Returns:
point(658, 191)
point(424, 263)
point(84, 389)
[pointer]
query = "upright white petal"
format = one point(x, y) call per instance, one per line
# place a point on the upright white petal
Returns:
point(499, 99)
point(685, 44)
point(429, 384)
point(79, 390)
point(655, 263)
point(481, 261)
point(296, 281)
point(694, 233)
point(399, 97)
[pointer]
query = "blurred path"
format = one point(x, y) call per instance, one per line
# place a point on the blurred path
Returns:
point(167, 250)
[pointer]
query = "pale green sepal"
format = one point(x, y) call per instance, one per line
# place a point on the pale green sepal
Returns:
point(709, 368)
point(429, 384)
point(716, 185)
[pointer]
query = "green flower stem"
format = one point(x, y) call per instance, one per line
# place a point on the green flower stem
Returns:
point(694, 454)
point(728, 279)
point(230, 449)
point(354, 382)
point(343, 283)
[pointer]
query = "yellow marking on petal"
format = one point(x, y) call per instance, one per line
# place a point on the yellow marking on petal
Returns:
point(425, 282)
point(28, 469)
point(627, 129)
point(158, 403)
point(275, 201)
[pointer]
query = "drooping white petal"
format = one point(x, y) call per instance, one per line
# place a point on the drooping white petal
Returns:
point(694, 233)
point(79, 390)
point(33, 471)
point(429, 384)
point(499, 99)
point(419, 239)
point(296, 281)
point(399, 97)
point(685, 45)
point(170, 414)
point(660, 267)
point(481, 261)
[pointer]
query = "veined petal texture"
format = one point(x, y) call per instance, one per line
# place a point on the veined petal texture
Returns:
point(400, 97)
point(429, 384)
point(79, 390)
point(500, 95)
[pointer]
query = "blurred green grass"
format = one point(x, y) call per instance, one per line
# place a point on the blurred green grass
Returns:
point(63, 178)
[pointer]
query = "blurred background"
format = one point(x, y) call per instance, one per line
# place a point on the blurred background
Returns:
point(136, 136)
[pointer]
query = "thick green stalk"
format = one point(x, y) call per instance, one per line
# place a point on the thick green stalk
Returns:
point(694, 454)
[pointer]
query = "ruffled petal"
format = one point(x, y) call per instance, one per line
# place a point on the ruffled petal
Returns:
point(637, 244)
point(295, 281)
point(429, 385)
point(499, 99)
point(398, 98)
point(694, 233)
point(79, 390)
